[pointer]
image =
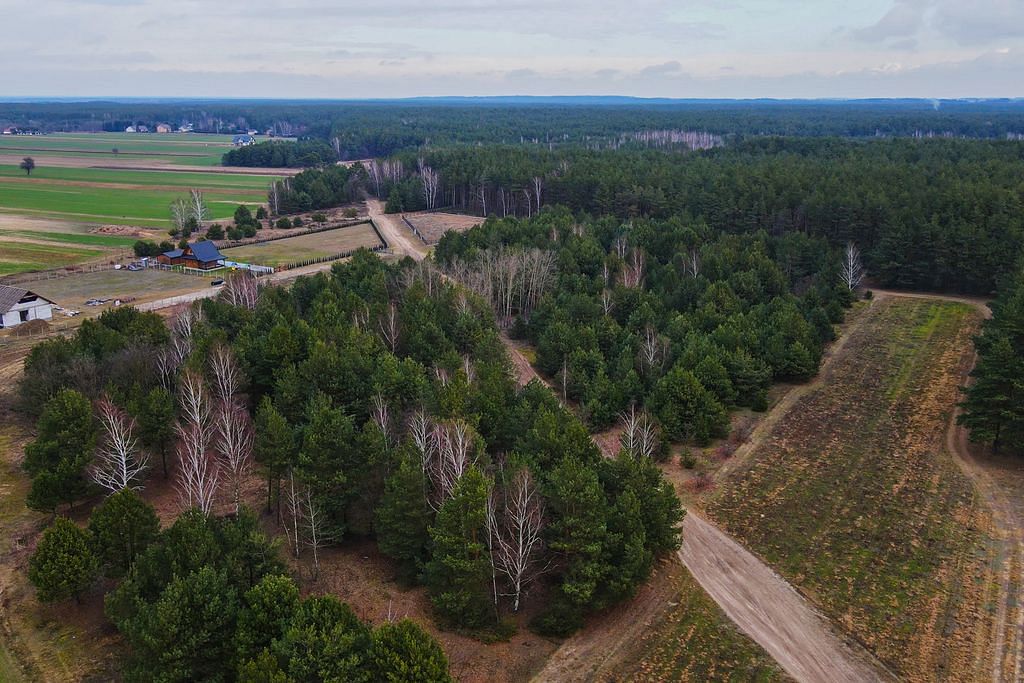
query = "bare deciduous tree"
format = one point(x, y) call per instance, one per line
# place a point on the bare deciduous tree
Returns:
point(293, 504)
point(653, 348)
point(380, 413)
point(119, 462)
point(692, 263)
point(538, 188)
point(180, 212)
point(516, 527)
point(389, 326)
point(853, 269)
point(197, 205)
point(316, 536)
point(639, 436)
point(241, 289)
point(235, 439)
point(227, 376)
point(198, 472)
point(431, 182)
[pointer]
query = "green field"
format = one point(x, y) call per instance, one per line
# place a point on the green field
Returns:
point(295, 249)
point(18, 257)
point(172, 148)
point(169, 178)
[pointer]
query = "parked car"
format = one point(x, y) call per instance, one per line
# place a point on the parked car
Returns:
point(219, 282)
point(135, 266)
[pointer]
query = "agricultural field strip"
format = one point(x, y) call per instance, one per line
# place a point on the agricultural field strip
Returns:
point(800, 495)
point(185, 179)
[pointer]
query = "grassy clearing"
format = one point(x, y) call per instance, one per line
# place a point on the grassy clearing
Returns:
point(855, 500)
point(19, 257)
point(317, 245)
point(696, 641)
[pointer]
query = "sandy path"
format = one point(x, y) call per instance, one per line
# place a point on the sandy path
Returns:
point(398, 236)
point(765, 607)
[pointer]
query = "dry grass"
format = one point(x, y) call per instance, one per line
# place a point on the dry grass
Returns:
point(855, 500)
point(73, 290)
point(302, 247)
point(434, 225)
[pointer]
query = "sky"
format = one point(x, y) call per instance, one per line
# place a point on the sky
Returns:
point(337, 49)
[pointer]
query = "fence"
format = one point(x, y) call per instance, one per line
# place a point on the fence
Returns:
point(57, 274)
point(415, 231)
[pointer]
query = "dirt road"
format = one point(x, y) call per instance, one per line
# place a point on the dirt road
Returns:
point(770, 611)
point(398, 236)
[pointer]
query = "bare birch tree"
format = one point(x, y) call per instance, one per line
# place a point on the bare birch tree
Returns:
point(316, 534)
point(241, 289)
point(197, 205)
point(853, 269)
point(293, 504)
point(538, 187)
point(235, 440)
point(227, 376)
point(179, 213)
point(119, 461)
point(389, 326)
point(198, 472)
point(431, 182)
point(639, 435)
point(516, 528)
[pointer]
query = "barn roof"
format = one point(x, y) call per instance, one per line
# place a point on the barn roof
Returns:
point(205, 251)
point(9, 296)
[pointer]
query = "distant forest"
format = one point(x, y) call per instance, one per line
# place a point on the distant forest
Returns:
point(368, 129)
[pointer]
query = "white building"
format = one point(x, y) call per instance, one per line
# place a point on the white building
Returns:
point(19, 305)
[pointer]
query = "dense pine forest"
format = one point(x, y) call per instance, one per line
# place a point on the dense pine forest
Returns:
point(665, 264)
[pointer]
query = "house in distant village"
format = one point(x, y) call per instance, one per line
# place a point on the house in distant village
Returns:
point(143, 129)
point(201, 255)
point(243, 140)
point(163, 128)
point(129, 129)
point(19, 305)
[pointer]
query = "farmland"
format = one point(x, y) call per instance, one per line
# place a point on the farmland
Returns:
point(854, 498)
point(73, 290)
point(79, 177)
point(168, 148)
point(303, 247)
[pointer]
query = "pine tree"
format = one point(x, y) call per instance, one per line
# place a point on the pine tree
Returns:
point(404, 653)
point(57, 459)
point(274, 447)
point(63, 564)
point(403, 515)
point(122, 526)
point(458, 573)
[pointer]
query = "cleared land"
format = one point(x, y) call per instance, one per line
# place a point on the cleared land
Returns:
point(854, 498)
point(316, 245)
point(72, 291)
point(433, 226)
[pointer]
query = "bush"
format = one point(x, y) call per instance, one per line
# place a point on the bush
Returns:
point(319, 217)
point(350, 212)
point(297, 222)
point(215, 232)
point(261, 213)
point(687, 460)
point(235, 234)
point(868, 295)
point(283, 223)
point(249, 229)
point(146, 248)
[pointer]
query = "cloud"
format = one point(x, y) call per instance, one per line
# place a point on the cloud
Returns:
point(903, 20)
point(967, 22)
point(672, 67)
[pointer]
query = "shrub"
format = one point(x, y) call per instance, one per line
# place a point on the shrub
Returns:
point(249, 229)
point(350, 212)
point(868, 295)
point(215, 232)
point(319, 217)
point(687, 460)
point(283, 223)
point(261, 213)
point(297, 222)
